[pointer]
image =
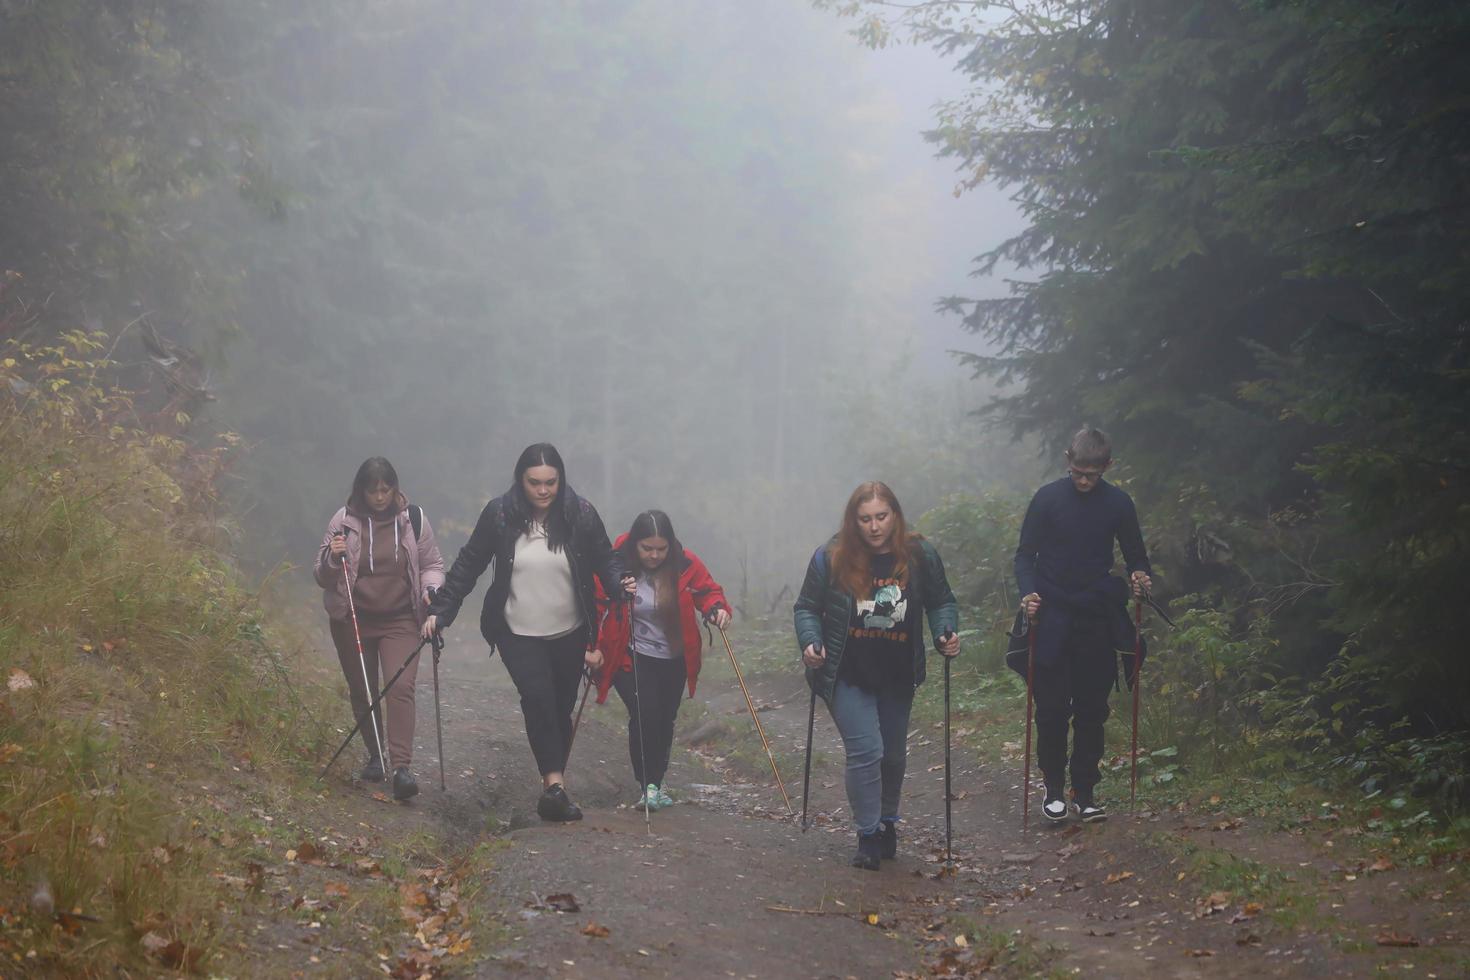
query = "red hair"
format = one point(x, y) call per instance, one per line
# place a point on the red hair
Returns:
point(850, 556)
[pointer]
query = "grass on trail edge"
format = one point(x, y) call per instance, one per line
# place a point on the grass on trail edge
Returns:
point(987, 705)
point(147, 704)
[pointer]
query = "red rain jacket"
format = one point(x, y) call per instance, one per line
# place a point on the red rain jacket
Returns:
point(697, 592)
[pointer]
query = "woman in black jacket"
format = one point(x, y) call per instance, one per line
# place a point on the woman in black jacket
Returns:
point(541, 607)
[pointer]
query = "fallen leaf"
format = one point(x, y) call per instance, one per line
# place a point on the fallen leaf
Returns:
point(961, 942)
point(307, 851)
point(1391, 938)
point(871, 918)
point(336, 889)
point(1249, 911)
point(1382, 864)
point(595, 930)
point(71, 922)
point(1215, 902)
point(1113, 879)
point(20, 680)
point(1199, 952)
point(291, 854)
point(172, 952)
point(9, 751)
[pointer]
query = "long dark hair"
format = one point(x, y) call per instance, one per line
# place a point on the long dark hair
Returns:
point(558, 524)
point(368, 474)
point(652, 524)
point(665, 579)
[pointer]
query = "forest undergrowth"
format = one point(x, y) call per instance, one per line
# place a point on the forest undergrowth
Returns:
point(159, 734)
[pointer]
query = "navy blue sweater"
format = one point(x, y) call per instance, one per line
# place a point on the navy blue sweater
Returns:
point(1067, 537)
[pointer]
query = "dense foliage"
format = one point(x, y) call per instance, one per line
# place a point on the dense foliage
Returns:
point(1248, 236)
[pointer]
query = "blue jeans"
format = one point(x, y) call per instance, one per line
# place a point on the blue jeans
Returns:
point(874, 729)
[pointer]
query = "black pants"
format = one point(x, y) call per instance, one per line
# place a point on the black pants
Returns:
point(661, 684)
point(1075, 690)
point(547, 674)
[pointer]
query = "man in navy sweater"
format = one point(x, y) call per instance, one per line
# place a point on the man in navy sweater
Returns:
point(1080, 612)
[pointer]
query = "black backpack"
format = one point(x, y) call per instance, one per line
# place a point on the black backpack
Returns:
point(416, 518)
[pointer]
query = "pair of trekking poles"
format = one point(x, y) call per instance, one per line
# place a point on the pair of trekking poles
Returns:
point(638, 710)
point(806, 781)
point(437, 641)
point(1137, 684)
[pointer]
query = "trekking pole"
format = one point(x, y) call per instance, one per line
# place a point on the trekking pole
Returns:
point(638, 720)
point(438, 646)
point(806, 778)
point(371, 707)
point(948, 796)
point(759, 729)
point(1137, 686)
point(367, 686)
point(1030, 682)
point(577, 721)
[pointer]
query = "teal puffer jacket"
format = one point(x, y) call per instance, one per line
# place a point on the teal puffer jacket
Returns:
point(823, 611)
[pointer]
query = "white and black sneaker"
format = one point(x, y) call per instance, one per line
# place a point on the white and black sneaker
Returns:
point(1055, 808)
point(1090, 811)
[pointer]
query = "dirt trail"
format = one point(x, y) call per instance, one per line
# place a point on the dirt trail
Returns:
point(704, 894)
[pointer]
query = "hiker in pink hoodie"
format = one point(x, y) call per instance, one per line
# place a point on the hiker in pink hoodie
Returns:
point(392, 563)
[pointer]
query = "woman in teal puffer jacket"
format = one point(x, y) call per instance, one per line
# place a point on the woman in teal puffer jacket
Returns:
point(857, 624)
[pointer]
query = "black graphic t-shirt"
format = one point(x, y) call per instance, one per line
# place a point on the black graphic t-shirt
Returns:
point(880, 635)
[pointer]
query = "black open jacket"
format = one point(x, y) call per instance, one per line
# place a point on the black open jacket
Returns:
point(494, 539)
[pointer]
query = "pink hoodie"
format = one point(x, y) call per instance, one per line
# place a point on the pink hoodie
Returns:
point(425, 563)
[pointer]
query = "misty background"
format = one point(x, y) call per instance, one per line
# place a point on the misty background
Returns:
point(696, 246)
point(704, 248)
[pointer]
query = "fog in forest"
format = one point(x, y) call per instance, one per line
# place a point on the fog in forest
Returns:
point(696, 246)
point(733, 259)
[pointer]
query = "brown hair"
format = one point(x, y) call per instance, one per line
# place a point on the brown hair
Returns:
point(850, 556)
point(1090, 447)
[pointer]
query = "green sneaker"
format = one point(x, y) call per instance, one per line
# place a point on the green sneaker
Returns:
point(649, 798)
point(664, 799)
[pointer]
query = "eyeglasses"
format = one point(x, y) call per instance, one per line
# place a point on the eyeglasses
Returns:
point(1084, 474)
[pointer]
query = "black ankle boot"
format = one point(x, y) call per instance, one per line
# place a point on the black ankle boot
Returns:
point(404, 785)
point(555, 806)
point(372, 770)
point(888, 837)
point(869, 854)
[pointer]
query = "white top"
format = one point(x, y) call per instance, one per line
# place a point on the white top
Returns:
point(543, 598)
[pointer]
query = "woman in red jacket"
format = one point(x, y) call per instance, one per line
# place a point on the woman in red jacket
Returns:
point(673, 585)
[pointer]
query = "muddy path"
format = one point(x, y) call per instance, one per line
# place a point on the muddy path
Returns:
point(726, 884)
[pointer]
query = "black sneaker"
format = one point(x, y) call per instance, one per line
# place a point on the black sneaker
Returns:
point(869, 853)
point(404, 785)
point(555, 806)
point(1055, 806)
point(372, 770)
point(1089, 810)
point(888, 838)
